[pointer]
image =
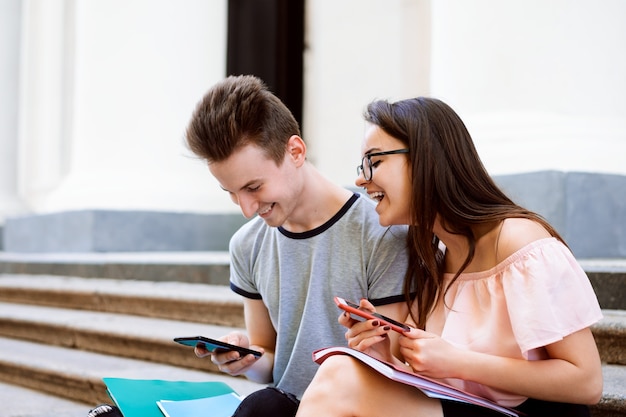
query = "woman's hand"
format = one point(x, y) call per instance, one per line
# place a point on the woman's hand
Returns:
point(428, 354)
point(369, 336)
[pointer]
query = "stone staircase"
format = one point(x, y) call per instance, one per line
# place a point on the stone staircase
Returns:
point(63, 327)
point(67, 321)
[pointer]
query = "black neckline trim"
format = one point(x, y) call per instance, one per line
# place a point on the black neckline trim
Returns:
point(323, 227)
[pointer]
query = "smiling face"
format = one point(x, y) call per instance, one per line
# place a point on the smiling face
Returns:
point(259, 186)
point(390, 184)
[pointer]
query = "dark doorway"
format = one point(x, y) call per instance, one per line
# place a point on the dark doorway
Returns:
point(266, 39)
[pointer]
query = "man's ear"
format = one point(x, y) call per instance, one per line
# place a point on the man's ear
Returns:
point(296, 149)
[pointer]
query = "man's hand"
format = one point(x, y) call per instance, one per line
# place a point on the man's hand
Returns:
point(230, 362)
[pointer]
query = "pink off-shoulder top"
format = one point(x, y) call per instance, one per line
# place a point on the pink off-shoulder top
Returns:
point(535, 297)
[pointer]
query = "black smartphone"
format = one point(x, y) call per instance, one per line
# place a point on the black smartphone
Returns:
point(216, 346)
point(353, 308)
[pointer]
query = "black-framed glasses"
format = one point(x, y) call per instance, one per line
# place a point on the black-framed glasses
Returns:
point(366, 167)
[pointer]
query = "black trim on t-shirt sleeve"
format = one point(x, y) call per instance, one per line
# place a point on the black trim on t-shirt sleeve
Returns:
point(325, 226)
point(377, 302)
point(251, 295)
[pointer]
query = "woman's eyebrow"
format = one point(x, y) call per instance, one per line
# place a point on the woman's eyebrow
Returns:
point(371, 150)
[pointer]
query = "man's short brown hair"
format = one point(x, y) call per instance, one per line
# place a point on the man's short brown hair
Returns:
point(238, 111)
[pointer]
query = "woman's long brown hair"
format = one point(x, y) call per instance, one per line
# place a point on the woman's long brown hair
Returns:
point(448, 179)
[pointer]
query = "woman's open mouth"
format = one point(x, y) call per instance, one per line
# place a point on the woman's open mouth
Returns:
point(377, 196)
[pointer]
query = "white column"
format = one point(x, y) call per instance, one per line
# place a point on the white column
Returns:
point(10, 203)
point(45, 103)
point(109, 87)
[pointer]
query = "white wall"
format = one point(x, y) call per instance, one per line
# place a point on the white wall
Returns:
point(541, 84)
point(107, 88)
point(358, 51)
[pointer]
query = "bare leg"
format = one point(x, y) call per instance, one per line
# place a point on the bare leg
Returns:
point(344, 387)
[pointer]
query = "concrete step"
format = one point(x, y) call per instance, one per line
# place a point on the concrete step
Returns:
point(608, 276)
point(119, 312)
point(193, 267)
point(108, 333)
point(150, 339)
point(202, 303)
point(133, 345)
point(25, 402)
point(610, 336)
point(77, 374)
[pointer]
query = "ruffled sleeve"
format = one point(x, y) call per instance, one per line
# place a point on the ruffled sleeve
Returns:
point(548, 295)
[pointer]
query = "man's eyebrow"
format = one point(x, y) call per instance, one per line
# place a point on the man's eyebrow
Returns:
point(246, 185)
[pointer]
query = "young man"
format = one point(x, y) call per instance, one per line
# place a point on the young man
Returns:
point(309, 240)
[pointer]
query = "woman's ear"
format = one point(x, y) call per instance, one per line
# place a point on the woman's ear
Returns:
point(296, 148)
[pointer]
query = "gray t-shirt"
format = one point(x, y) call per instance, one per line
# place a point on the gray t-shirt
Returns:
point(298, 274)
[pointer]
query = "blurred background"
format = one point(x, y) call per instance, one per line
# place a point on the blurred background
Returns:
point(96, 94)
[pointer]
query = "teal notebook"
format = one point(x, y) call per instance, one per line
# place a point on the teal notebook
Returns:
point(218, 406)
point(138, 397)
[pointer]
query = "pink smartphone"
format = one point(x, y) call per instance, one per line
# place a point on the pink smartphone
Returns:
point(353, 308)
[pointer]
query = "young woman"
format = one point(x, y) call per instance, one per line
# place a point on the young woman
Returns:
point(499, 305)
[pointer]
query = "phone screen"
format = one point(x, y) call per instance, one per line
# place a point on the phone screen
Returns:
point(353, 308)
point(213, 345)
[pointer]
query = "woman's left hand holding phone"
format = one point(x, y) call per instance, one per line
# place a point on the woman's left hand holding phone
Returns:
point(369, 336)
